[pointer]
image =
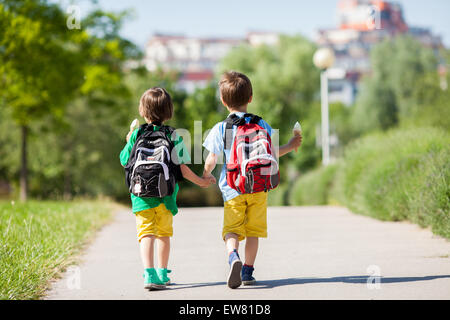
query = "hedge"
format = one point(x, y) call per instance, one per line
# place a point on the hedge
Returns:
point(398, 175)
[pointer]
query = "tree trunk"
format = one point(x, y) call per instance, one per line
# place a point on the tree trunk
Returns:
point(24, 166)
point(67, 185)
point(68, 164)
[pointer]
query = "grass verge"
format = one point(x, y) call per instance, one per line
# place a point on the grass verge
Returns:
point(39, 239)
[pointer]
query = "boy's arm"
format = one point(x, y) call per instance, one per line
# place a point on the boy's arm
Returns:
point(215, 145)
point(210, 164)
point(125, 153)
point(183, 157)
point(188, 174)
point(294, 143)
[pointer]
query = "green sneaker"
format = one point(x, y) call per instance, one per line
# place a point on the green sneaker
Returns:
point(151, 280)
point(162, 274)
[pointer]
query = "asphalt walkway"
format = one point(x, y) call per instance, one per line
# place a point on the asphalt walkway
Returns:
point(311, 253)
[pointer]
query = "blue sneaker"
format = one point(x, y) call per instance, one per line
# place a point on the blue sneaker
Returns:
point(234, 277)
point(247, 276)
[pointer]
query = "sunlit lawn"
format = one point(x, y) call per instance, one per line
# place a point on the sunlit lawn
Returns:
point(40, 239)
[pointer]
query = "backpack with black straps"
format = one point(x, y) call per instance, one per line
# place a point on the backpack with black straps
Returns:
point(150, 171)
point(252, 167)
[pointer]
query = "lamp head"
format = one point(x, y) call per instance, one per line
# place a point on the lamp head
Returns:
point(324, 58)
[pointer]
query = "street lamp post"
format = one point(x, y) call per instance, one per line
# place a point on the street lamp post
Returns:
point(324, 59)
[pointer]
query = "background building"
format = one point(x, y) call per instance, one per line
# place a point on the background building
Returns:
point(196, 58)
point(361, 25)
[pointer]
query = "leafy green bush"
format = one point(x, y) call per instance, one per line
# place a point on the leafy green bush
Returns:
point(399, 175)
point(277, 196)
point(395, 176)
point(313, 187)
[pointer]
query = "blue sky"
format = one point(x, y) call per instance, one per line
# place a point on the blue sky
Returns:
point(234, 18)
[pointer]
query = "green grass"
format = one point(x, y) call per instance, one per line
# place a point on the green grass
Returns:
point(38, 240)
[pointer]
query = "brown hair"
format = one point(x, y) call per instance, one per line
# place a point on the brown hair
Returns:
point(156, 105)
point(235, 89)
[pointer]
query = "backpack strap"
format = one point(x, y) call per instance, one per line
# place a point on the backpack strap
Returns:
point(175, 168)
point(167, 130)
point(232, 120)
point(150, 127)
point(253, 118)
point(143, 128)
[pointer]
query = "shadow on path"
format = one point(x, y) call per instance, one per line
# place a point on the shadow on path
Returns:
point(268, 284)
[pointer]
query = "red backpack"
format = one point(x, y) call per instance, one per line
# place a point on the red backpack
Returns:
point(252, 167)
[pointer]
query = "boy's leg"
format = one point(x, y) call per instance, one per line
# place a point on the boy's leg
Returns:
point(146, 246)
point(251, 249)
point(234, 276)
point(146, 230)
point(164, 221)
point(163, 244)
point(233, 232)
point(232, 242)
point(256, 227)
point(163, 251)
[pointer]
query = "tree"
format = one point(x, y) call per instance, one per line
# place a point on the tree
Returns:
point(40, 71)
point(404, 73)
point(46, 67)
point(376, 107)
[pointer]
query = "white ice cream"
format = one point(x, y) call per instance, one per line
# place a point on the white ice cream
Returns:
point(297, 128)
point(134, 124)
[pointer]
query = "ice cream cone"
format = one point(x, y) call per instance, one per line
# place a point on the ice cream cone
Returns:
point(134, 124)
point(297, 131)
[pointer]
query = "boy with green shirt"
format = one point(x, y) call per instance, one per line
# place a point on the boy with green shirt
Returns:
point(154, 215)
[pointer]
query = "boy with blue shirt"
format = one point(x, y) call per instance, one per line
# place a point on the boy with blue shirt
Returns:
point(245, 215)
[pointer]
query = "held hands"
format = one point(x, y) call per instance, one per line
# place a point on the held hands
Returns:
point(207, 180)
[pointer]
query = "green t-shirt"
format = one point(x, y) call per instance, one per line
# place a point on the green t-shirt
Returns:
point(140, 204)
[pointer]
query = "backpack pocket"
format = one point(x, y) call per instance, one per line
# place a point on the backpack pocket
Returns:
point(261, 174)
point(151, 179)
point(233, 175)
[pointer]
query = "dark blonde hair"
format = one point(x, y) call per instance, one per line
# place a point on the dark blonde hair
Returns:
point(156, 105)
point(235, 89)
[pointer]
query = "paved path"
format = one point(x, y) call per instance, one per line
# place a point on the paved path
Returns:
point(311, 253)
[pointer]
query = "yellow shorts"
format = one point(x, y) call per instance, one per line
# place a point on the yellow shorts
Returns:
point(154, 222)
point(246, 215)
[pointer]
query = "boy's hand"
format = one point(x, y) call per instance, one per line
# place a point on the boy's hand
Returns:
point(209, 177)
point(129, 135)
point(295, 142)
point(206, 182)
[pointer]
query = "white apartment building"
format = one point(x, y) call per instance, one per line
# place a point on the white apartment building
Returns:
point(363, 24)
point(196, 58)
